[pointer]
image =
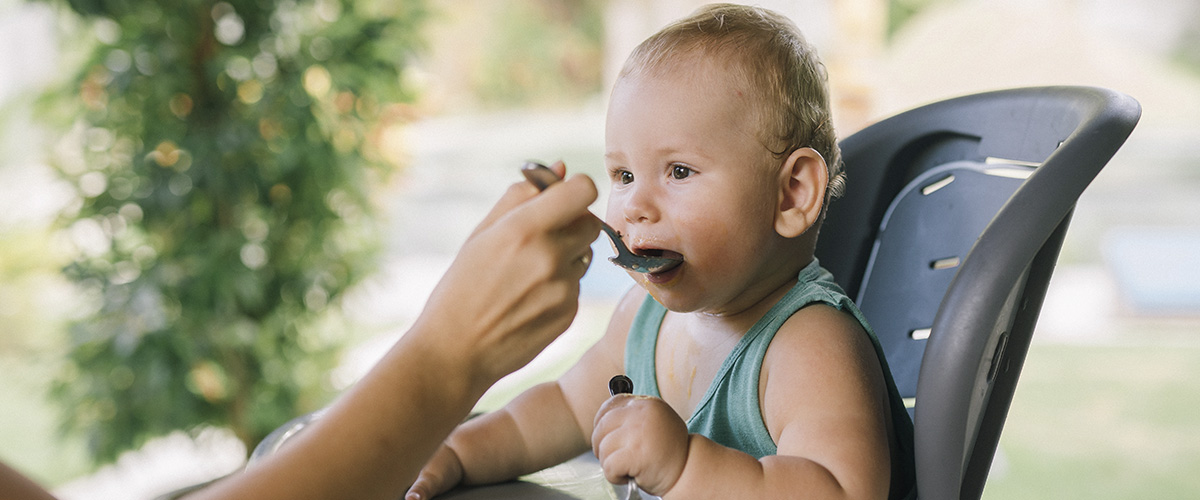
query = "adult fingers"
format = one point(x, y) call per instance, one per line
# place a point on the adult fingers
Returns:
point(561, 204)
point(583, 263)
point(517, 193)
point(520, 192)
point(559, 168)
point(574, 243)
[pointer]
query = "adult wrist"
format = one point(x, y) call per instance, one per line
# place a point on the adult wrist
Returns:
point(450, 357)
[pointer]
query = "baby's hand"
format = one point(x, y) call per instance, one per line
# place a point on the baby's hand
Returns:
point(444, 471)
point(642, 438)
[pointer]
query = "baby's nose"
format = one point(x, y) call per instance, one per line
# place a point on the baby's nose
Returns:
point(640, 204)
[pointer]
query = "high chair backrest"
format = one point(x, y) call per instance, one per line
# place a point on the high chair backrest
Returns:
point(947, 235)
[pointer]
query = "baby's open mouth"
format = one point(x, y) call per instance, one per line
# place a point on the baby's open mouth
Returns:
point(657, 252)
point(662, 253)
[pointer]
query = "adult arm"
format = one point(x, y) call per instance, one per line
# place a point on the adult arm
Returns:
point(512, 289)
point(18, 487)
point(544, 426)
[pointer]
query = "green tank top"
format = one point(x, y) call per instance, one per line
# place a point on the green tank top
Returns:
point(729, 412)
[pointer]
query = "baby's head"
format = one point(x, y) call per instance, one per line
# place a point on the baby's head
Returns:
point(720, 151)
point(769, 55)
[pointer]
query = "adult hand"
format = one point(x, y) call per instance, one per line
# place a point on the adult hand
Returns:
point(512, 289)
point(514, 286)
point(640, 437)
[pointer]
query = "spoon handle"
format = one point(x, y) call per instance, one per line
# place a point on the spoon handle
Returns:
point(620, 384)
point(539, 175)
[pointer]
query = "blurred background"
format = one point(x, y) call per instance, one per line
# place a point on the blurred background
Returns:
point(217, 216)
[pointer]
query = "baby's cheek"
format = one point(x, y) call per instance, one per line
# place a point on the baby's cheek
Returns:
point(716, 233)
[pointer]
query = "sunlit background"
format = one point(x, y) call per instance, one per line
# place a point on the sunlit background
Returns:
point(1107, 404)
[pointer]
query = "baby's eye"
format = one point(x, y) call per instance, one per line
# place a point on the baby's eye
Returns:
point(680, 171)
point(625, 177)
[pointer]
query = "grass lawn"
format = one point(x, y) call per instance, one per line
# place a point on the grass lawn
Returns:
point(1104, 421)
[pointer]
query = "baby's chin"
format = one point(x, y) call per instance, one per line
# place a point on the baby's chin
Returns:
point(677, 299)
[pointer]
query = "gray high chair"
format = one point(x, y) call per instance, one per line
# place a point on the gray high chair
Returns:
point(947, 236)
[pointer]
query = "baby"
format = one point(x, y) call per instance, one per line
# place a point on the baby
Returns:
point(756, 376)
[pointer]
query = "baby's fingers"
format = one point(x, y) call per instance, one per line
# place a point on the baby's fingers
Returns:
point(442, 472)
point(615, 463)
point(426, 486)
point(418, 491)
point(606, 435)
point(611, 449)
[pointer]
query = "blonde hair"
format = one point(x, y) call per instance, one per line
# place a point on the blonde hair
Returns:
point(771, 56)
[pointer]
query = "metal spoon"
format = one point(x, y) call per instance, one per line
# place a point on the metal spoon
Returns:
point(542, 177)
point(621, 384)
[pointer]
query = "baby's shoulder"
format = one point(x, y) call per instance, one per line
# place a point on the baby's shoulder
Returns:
point(821, 357)
point(817, 335)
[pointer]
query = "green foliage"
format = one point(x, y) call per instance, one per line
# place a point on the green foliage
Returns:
point(222, 152)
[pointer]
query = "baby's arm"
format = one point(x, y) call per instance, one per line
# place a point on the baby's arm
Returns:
point(824, 403)
point(544, 426)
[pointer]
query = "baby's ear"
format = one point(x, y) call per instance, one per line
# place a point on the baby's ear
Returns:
point(802, 180)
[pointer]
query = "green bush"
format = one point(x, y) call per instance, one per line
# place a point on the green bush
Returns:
point(222, 152)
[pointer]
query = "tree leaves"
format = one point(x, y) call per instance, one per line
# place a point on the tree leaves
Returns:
point(223, 208)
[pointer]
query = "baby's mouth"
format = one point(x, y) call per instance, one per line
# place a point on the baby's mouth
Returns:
point(657, 252)
point(660, 252)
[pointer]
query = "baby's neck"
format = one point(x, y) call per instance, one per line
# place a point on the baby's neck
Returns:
point(754, 304)
point(692, 346)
